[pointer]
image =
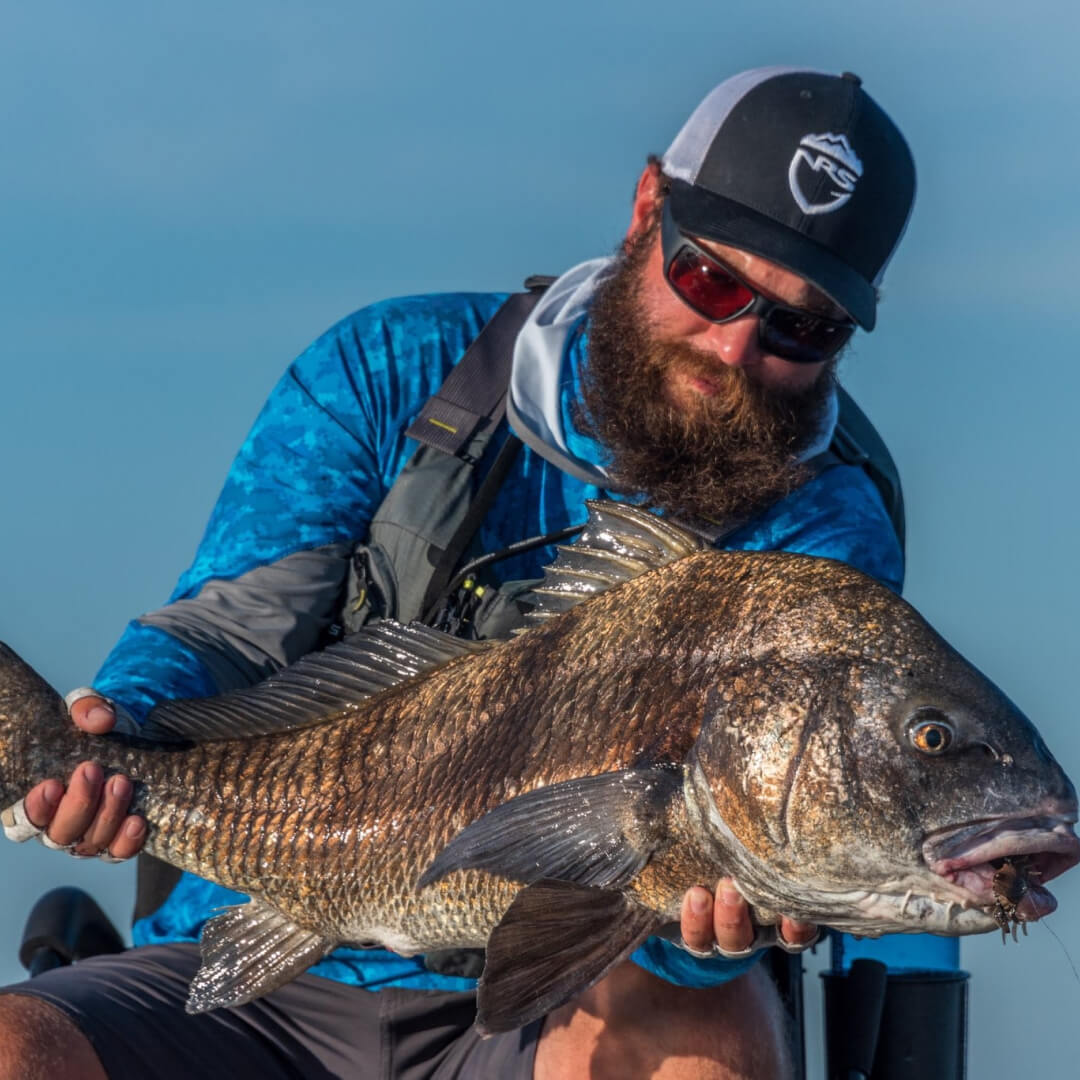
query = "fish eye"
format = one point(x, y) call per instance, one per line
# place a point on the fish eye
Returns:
point(931, 734)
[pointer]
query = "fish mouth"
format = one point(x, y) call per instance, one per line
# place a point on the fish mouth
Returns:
point(970, 855)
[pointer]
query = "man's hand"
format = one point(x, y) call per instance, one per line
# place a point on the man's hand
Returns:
point(724, 920)
point(89, 817)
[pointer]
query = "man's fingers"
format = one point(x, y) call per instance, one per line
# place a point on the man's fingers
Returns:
point(130, 839)
point(79, 805)
point(90, 813)
point(725, 921)
point(731, 919)
point(41, 802)
point(110, 815)
point(93, 714)
point(696, 921)
point(798, 933)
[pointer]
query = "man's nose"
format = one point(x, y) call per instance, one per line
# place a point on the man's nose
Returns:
point(733, 343)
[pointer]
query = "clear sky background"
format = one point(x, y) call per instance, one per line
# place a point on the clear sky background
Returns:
point(190, 193)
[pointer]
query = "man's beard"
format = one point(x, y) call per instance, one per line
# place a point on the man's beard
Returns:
point(723, 458)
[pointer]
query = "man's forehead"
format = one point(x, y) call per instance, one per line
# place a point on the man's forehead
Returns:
point(774, 280)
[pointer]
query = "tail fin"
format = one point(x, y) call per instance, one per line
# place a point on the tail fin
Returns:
point(35, 730)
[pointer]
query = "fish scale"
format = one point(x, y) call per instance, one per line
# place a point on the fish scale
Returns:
point(750, 714)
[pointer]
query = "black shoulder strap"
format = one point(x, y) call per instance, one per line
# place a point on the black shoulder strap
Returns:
point(473, 397)
point(856, 442)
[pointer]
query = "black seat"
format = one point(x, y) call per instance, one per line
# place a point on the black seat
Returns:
point(64, 926)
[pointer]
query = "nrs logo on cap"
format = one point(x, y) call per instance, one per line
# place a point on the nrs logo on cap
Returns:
point(833, 155)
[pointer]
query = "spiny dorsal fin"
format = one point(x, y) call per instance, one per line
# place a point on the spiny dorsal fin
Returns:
point(619, 542)
point(313, 689)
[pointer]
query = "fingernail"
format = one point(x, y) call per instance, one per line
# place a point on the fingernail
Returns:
point(52, 794)
point(120, 786)
point(134, 829)
point(99, 715)
point(729, 895)
point(699, 901)
point(92, 773)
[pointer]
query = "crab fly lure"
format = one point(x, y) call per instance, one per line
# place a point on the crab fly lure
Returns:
point(1011, 883)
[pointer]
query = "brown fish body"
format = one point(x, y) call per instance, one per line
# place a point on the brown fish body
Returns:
point(766, 715)
point(334, 824)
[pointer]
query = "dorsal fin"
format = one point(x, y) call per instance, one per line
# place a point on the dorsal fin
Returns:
point(619, 542)
point(313, 689)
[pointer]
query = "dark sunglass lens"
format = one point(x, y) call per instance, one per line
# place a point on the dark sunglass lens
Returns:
point(804, 339)
point(706, 287)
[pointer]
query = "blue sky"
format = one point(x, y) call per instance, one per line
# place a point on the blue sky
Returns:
point(191, 194)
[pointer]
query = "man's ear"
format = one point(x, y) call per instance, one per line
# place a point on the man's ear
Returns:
point(645, 199)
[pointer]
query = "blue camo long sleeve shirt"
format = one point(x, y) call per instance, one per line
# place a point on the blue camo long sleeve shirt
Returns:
point(315, 466)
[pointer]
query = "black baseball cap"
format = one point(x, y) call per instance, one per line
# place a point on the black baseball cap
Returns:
point(802, 168)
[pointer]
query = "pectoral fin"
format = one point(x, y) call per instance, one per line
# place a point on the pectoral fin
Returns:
point(596, 830)
point(555, 940)
point(248, 951)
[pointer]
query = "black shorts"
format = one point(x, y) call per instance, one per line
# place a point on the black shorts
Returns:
point(131, 1008)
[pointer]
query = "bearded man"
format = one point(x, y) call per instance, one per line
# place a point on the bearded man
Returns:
point(693, 372)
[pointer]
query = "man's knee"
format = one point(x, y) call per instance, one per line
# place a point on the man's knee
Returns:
point(38, 1042)
point(635, 1024)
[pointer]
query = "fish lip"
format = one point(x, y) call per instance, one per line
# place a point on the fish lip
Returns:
point(964, 855)
point(961, 844)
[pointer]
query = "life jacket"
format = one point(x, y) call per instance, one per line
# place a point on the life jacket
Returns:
point(410, 566)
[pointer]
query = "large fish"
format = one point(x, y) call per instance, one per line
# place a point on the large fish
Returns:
point(780, 719)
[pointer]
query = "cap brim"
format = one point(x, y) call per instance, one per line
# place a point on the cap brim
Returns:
point(714, 217)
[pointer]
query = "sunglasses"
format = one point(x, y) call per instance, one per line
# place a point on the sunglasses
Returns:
point(717, 294)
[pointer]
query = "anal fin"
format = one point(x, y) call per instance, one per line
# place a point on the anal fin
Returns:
point(247, 951)
point(555, 940)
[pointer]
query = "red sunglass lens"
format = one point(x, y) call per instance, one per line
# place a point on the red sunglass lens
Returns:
point(801, 337)
point(706, 287)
